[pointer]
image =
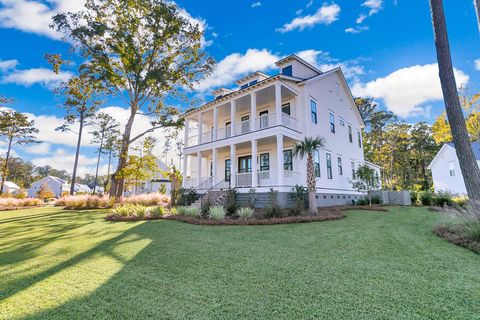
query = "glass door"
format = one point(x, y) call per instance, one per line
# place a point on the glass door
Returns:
point(263, 119)
point(245, 164)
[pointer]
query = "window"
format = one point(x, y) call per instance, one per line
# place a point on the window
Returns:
point(288, 160)
point(211, 168)
point(451, 168)
point(350, 136)
point(245, 123)
point(359, 137)
point(329, 166)
point(340, 168)
point(287, 71)
point(265, 162)
point(316, 161)
point(332, 122)
point(227, 169)
point(253, 82)
point(286, 108)
point(313, 108)
point(263, 119)
point(243, 86)
point(342, 123)
point(245, 164)
point(353, 169)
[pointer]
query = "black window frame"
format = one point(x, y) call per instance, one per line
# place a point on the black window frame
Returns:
point(285, 106)
point(350, 134)
point(328, 158)
point(228, 170)
point(331, 118)
point(316, 163)
point(340, 166)
point(313, 113)
point(246, 158)
point(359, 137)
point(262, 167)
point(288, 166)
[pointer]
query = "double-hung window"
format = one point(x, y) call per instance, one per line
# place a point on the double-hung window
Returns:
point(451, 168)
point(332, 122)
point(340, 168)
point(353, 169)
point(288, 160)
point(313, 110)
point(350, 135)
point(359, 137)
point(316, 162)
point(264, 162)
point(329, 165)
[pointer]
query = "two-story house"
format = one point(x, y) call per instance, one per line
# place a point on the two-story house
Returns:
point(244, 138)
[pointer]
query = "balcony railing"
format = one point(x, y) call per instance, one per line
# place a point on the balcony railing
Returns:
point(243, 127)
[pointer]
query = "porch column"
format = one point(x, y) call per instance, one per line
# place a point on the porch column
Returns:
point(280, 159)
point(253, 111)
point(214, 161)
point(233, 107)
point(254, 164)
point(215, 122)
point(232, 166)
point(187, 127)
point(199, 168)
point(200, 127)
point(184, 165)
point(278, 103)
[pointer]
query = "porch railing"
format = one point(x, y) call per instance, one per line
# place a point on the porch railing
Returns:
point(243, 179)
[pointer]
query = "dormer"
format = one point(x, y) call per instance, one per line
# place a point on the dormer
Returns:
point(294, 66)
point(221, 92)
point(251, 79)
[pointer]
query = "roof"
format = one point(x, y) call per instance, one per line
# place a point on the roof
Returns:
point(11, 185)
point(475, 148)
point(251, 76)
point(295, 57)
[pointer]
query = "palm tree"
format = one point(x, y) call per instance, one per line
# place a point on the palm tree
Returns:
point(468, 164)
point(308, 147)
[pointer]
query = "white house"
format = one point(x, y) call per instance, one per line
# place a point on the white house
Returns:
point(10, 187)
point(446, 172)
point(244, 137)
point(56, 185)
point(155, 183)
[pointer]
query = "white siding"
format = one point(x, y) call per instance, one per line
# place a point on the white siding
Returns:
point(442, 180)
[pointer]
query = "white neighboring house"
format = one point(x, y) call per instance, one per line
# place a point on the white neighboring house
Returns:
point(244, 138)
point(82, 188)
point(56, 185)
point(446, 172)
point(154, 184)
point(10, 187)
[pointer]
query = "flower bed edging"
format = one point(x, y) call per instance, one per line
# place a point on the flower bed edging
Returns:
point(448, 234)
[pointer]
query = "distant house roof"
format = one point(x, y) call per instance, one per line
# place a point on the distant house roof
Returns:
point(11, 185)
point(475, 148)
point(82, 188)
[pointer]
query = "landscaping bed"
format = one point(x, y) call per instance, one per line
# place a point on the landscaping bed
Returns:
point(18, 208)
point(451, 235)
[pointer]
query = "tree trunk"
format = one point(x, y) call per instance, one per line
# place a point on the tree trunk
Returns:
point(468, 164)
point(116, 190)
point(77, 154)
point(476, 4)
point(311, 183)
point(5, 165)
point(98, 164)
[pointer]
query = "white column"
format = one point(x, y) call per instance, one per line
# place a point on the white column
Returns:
point(278, 104)
point(200, 127)
point(254, 164)
point(215, 122)
point(214, 160)
point(233, 107)
point(280, 159)
point(187, 127)
point(253, 111)
point(199, 167)
point(232, 166)
point(184, 165)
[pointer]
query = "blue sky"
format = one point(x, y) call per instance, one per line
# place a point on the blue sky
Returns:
point(385, 47)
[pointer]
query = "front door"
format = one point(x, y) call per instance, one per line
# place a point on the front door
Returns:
point(245, 164)
point(263, 119)
point(245, 124)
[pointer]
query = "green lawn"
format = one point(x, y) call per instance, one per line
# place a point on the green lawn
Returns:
point(58, 264)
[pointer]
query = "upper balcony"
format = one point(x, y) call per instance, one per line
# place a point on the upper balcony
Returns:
point(259, 108)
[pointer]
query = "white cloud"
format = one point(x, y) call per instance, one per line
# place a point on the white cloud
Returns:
point(309, 4)
point(38, 148)
point(61, 159)
point(406, 91)
point(234, 65)
point(256, 4)
point(373, 5)
point(8, 64)
point(477, 64)
point(42, 76)
point(360, 18)
point(326, 14)
point(356, 30)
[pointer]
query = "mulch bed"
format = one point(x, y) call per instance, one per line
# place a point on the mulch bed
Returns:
point(17, 208)
point(457, 239)
point(335, 215)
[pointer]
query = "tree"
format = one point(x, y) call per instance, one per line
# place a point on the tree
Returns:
point(175, 178)
point(82, 99)
point(145, 51)
point(15, 129)
point(107, 129)
point(307, 148)
point(367, 108)
point(441, 130)
point(466, 159)
point(365, 180)
point(45, 192)
point(422, 151)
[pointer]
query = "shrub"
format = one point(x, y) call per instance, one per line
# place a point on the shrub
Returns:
point(426, 198)
point(442, 198)
point(299, 197)
point(362, 202)
point(188, 211)
point(157, 212)
point(252, 198)
point(148, 199)
point(131, 210)
point(413, 197)
point(216, 213)
point(123, 211)
point(273, 209)
point(460, 202)
point(464, 221)
point(245, 213)
point(187, 196)
point(376, 200)
point(231, 201)
point(14, 202)
point(85, 202)
point(207, 203)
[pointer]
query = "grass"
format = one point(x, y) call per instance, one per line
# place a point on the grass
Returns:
point(57, 264)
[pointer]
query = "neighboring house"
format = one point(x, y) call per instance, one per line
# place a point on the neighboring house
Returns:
point(244, 138)
point(10, 187)
point(154, 184)
point(446, 172)
point(82, 188)
point(56, 185)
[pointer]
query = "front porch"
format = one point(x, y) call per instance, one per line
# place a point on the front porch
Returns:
point(261, 163)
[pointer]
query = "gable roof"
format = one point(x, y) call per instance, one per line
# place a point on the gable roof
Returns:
point(475, 147)
point(297, 58)
point(11, 185)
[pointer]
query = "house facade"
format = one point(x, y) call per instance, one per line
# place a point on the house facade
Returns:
point(244, 138)
point(445, 168)
point(10, 187)
point(55, 184)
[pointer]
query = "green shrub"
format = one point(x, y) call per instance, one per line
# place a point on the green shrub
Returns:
point(157, 212)
point(426, 198)
point(413, 197)
point(231, 201)
point(216, 213)
point(460, 202)
point(376, 200)
point(245, 213)
point(299, 197)
point(252, 198)
point(273, 209)
point(471, 229)
point(442, 198)
point(187, 196)
point(123, 211)
point(362, 202)
point(139, 211)
point(188, 211)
